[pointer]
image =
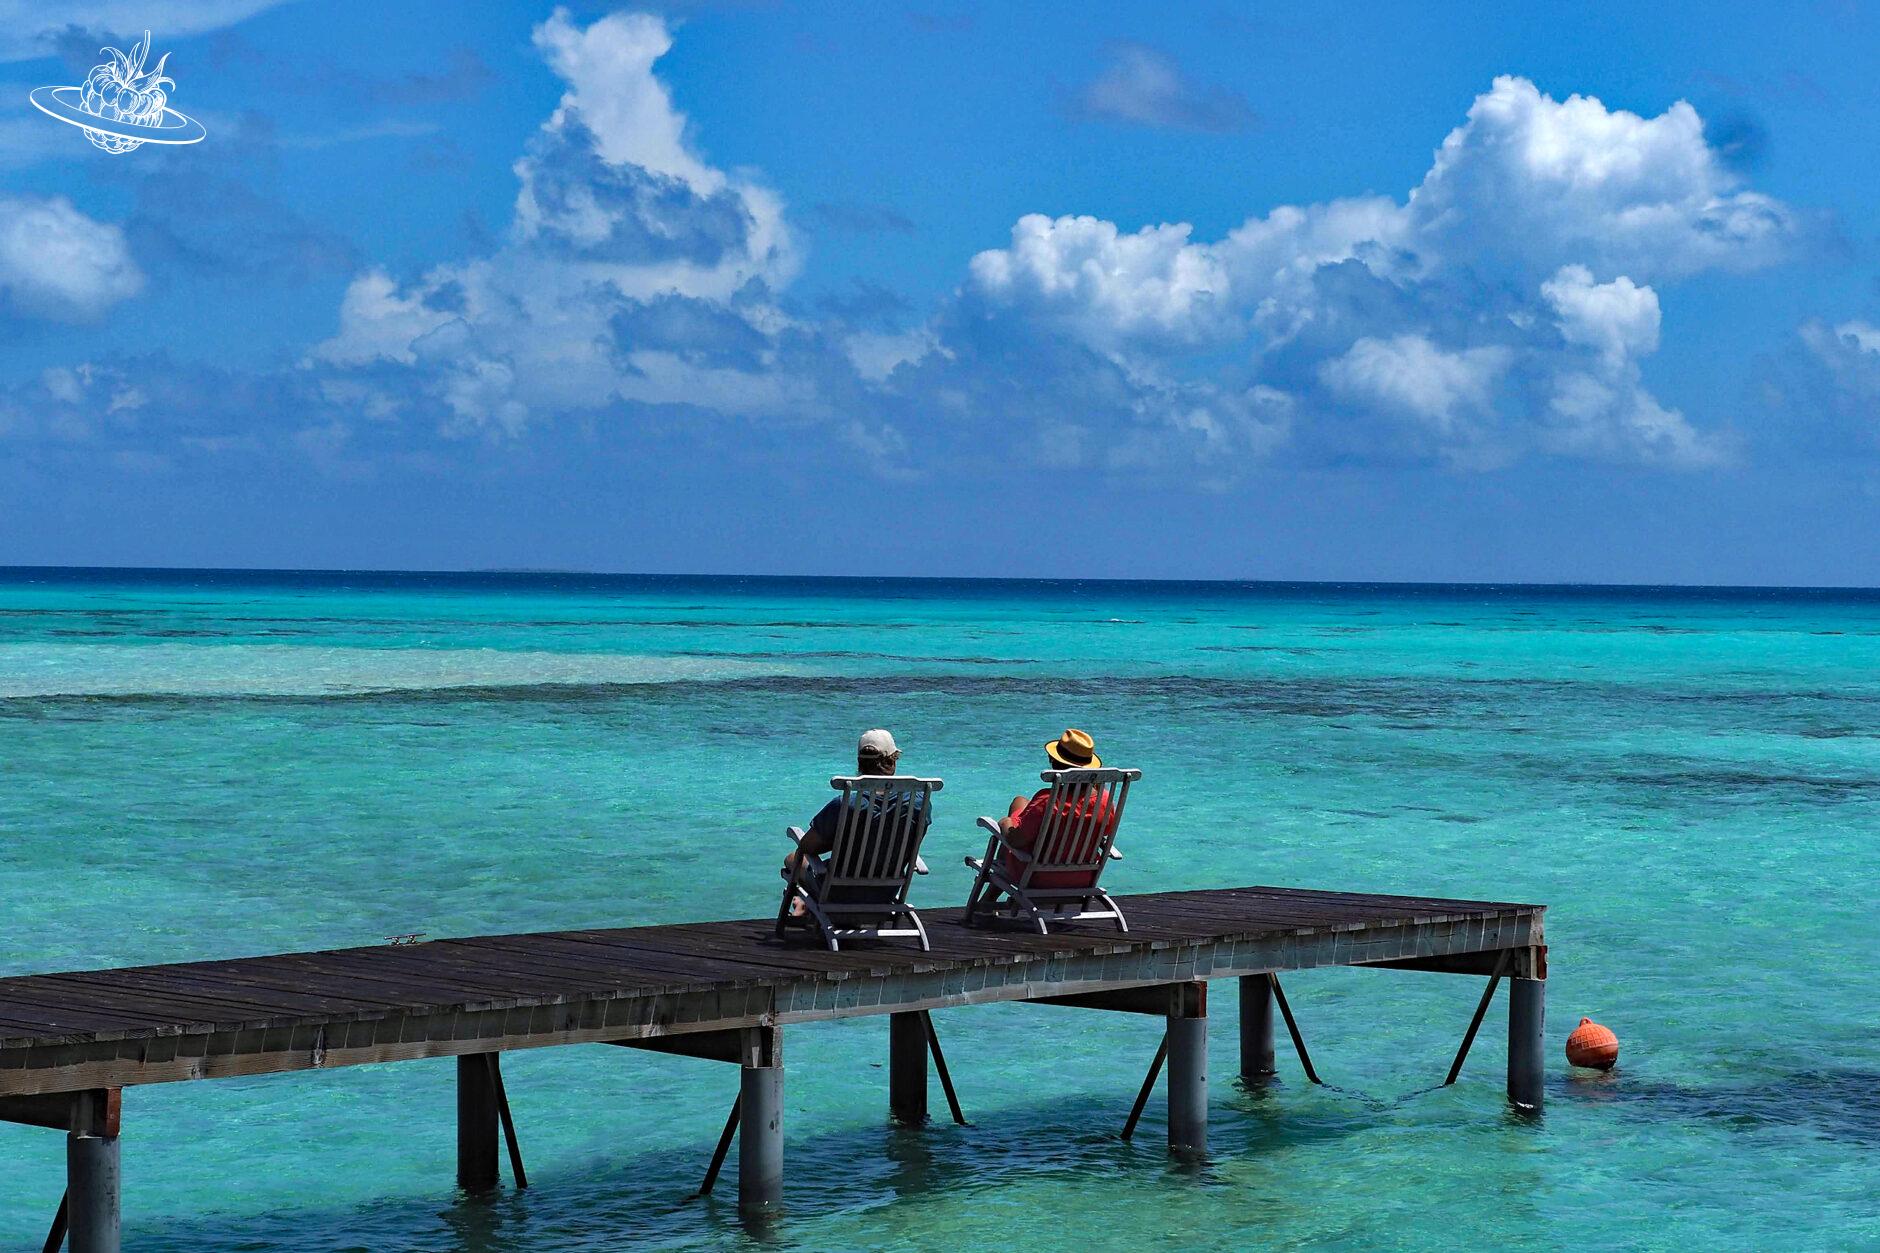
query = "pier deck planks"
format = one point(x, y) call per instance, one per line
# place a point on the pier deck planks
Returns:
point(296, 1011)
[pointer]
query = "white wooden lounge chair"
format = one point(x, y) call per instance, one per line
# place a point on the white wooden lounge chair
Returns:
point(1056, 879)
point(860, 889)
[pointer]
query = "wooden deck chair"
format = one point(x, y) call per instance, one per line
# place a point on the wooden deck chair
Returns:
point(860, 889)
point(1056, 879)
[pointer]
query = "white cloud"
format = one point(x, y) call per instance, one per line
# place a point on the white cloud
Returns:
point(1530, 180)
point(1111, 287)
point(1851, 352)
point(611, 176)
point(668, 378)
point(1824, 400)
point(1483, 317)
point(1106, 285)
point(1854, 342)
point(1610, 417)
point(1599, 406)
point(876, 355)
point(1864, 335)
point(1618, 319)
point(62, 385)
point(1409, 374)
point(1495, 249)
point(1143, 86)
point(612, 91)
point(615, 212)
point(377, 321)
point(57, 263)
point(33, 28)
point(1527, 183)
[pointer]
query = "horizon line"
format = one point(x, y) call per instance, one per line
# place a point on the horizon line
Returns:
point(560, 572)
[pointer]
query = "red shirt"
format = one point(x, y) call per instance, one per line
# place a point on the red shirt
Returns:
point(1030, 822)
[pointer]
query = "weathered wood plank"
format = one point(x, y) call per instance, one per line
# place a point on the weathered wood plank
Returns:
point(297, 1011)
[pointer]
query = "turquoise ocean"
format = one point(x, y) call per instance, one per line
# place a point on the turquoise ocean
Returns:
point(199, 765)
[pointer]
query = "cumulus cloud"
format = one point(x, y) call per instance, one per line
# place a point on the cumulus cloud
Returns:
point(1470, 307)
point(1598, 406)
point(1409, 374)
point(1143, 86)
point(1527, 184)
point(1529, 180)
point(1617, 319)
point(1107, 286)
point(57, 263)
point(611, 177)
point(1505, 307)
point(615, 212)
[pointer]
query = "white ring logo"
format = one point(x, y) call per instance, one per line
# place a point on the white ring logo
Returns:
point(121, 105)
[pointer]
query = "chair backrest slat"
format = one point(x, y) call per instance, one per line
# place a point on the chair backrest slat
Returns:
point(842, 853)
point(878, 837)
point(1082, 815)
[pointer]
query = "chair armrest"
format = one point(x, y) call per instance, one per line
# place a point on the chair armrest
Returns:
point(920, 864)
point(795, 834)
point(994, 840)
point(998, 841)
point(1116, 854)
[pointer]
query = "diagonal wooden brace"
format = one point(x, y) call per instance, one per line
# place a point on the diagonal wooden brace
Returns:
point(1475, 1023)
point(1292, 1028)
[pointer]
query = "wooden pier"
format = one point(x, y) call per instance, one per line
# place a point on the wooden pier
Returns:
point(70, 1043)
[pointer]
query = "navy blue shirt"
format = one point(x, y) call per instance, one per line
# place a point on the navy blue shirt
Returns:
point(828, 819)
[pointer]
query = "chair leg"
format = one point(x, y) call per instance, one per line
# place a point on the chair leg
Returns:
point(922, 928)
point(972, 899)
point(824, 925)
point(783, 910)
point(1021, 901)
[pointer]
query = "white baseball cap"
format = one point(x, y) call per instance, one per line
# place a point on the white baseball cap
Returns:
point(877, 743)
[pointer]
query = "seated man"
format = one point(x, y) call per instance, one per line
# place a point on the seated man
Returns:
point(1074, 750)
point(875, 755)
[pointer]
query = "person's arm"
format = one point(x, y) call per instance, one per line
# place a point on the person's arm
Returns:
point(820, 837)
point(1022, 825)
point(1011, 815)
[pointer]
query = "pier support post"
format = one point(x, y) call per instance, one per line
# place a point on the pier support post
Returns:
point(1256, 1029)
point(476, 1123)
point(91, 1183)
point(1527, 1014)
point(760, 1122)
point(1188, 1069)
point(907, 1067)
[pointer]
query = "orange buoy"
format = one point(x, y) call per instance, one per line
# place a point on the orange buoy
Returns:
point(1593, 1046)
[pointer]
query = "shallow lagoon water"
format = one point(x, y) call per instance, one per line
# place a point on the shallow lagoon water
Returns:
point(206, 766)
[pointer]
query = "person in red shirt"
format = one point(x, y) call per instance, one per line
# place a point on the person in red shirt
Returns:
point(1074, 750)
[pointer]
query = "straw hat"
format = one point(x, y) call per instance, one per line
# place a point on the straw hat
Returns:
point(1074, 750)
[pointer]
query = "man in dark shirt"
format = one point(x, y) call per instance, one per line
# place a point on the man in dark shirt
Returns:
point(876, 754)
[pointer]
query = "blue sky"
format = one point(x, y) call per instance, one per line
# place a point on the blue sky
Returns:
point(1223, 291)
